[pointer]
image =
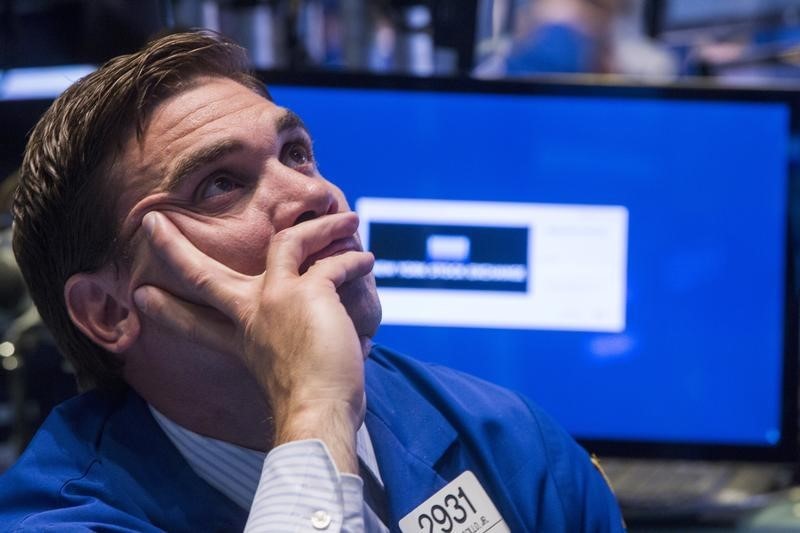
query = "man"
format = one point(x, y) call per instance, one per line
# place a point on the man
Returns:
point(208, 284)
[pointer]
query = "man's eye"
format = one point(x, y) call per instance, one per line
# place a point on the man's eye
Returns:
point(297, 154)
point(217, 186)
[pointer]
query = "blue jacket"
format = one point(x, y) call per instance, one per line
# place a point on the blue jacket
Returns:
point(102, 463)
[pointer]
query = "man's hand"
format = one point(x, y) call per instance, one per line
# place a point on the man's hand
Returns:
point(288, 324)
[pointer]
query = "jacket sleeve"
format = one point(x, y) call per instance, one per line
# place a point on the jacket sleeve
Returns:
point(39, 499)
point(92, 516)
point(587, 500)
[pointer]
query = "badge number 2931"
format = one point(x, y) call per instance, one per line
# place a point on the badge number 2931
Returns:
point(460, 507)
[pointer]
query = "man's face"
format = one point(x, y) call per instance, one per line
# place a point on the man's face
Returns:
point(230, 169)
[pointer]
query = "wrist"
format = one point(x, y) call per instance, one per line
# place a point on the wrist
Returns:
point(333, 422)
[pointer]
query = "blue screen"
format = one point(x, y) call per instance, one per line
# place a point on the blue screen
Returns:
point(672, 330)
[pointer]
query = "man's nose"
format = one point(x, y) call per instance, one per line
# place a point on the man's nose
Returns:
point(313, 198)
point(320, 201)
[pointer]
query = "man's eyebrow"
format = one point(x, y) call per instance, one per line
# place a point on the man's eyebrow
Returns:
point(289, 121)
point(207, 155)
point(201, 157)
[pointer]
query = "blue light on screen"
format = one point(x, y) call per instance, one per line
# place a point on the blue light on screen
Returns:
point(704, 184)
point(40, 82)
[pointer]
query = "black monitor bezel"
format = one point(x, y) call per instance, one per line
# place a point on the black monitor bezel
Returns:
point(603, 87)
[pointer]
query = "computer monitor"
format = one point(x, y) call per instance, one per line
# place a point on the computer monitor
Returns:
point(681, 15)
point(618, 254)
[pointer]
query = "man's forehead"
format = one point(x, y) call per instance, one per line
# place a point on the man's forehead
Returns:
point(210, 107)
point(204, 101)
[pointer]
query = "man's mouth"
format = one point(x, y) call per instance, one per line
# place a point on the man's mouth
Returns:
point(339, 246)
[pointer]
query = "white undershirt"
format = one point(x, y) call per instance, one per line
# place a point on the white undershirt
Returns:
point(295, 487)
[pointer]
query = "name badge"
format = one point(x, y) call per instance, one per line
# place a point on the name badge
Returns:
point(460, 507)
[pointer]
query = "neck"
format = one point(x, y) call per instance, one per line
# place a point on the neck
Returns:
point(209, 394)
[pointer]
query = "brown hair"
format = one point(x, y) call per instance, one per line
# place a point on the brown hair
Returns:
point(64, 208)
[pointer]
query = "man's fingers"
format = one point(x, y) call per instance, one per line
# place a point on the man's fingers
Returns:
point(202, 278)
point(293, 247)
point(199, 324)
point(344, 267)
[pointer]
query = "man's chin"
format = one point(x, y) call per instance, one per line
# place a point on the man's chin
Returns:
point(360, 299)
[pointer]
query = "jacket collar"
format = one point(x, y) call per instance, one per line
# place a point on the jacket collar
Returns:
point(131, 432)
point(409, 434)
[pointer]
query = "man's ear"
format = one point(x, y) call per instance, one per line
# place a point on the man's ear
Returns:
point(99, 312)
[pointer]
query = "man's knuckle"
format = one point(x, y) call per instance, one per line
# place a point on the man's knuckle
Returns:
point(201, 280)
point(284, 237)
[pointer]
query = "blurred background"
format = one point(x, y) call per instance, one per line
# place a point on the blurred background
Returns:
point(737, 42)
point(731, 40)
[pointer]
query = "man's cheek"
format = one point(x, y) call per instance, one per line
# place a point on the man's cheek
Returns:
point(243, 250)
point(239, 242)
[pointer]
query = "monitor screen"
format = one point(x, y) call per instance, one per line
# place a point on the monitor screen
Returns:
point(685, 14)
point(617, 255)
